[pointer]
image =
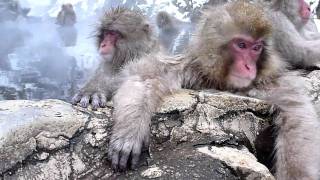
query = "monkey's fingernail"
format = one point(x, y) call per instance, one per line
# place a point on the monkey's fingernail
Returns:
point(84, 105)
point(134, 166)
point(103, 105)
point(115, 168)
point(94, 108)
point(122, 168)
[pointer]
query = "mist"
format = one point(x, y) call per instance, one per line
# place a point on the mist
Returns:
point(36, 59)
point(39, 59)
point(36, 63)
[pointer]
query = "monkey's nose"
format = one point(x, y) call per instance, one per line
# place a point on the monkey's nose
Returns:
point(247, 67)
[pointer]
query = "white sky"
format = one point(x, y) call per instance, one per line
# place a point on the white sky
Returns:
point(39, 7)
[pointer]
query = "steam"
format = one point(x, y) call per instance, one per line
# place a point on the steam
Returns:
point(34, 62)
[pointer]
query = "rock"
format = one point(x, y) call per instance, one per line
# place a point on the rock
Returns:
point(51, 139)
point(152, 172)
point(313, 85)
point(241, 161)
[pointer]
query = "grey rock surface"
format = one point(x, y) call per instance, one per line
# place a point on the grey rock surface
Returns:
point(313, 85)
point(195, 135)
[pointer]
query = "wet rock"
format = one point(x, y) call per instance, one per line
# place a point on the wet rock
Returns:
point(313, 85)
point(51, 139)
point(241, 161)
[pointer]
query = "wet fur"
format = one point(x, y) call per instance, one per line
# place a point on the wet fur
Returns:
point(137, 40)
point(297, 43)
point(151, 78)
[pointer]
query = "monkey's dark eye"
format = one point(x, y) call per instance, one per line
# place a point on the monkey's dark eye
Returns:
point(242, 45)
point(113, 33)
point(257, 47)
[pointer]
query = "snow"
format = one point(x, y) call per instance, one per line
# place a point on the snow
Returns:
point(90, 7)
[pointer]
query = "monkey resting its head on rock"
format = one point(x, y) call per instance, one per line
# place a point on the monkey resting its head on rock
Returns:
point(233, 51)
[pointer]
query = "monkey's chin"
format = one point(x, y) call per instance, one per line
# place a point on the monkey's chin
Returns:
point(107, 57)
point(239, 82)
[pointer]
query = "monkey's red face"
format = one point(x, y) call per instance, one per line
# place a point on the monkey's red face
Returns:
point(108, 44)
point(305, 11)
point(245, 52)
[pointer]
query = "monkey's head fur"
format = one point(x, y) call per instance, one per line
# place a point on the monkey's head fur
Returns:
point(67, 8)
point(218, 27)
point(291, 9)
point(164, 21)
point(137, 36)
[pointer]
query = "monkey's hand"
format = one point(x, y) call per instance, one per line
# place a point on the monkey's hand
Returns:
point(97, 99)
point(127, 142)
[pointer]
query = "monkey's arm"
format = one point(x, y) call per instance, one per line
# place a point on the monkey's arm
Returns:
point(134, 104)
point(310, 31)
point(298, 140)
point(96, 91)
point(73, 18)
point(60, 18)
point(311, 35)
point(292, 46)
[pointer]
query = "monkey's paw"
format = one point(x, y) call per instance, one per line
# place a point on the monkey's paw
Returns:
point(96, 99)
point(121, 148)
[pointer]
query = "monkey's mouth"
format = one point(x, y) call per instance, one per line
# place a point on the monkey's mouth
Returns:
point(241, 77)
point(239, 81)
point(305, 20)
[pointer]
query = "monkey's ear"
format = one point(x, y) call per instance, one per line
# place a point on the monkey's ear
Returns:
point(146, 28)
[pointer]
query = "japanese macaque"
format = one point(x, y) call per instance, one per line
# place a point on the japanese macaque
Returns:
point(66, 20)
point(173, 33)
point(231, 53)
point(293, 38)
point(66, 16)
point(122, 36)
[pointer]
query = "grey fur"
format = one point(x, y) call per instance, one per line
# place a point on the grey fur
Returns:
point(151, 78)
point(138, 39)
point(297, 43)
point(66, 16)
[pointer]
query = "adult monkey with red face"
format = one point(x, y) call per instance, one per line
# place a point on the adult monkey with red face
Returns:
point(296, 43)
point(122, 36)
point(231, 53)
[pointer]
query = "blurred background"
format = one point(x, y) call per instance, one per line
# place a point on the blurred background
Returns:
point(41, 58)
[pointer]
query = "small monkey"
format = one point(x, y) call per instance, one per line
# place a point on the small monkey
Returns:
point(66, 16)
point(234, 53)
point(122, 36)
point(66, 20)
point(292, 37)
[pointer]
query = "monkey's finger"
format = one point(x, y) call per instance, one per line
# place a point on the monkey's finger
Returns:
point(103, 100)
point(115, 161)
point(84, 102)
point(95, 101)
point(135, 154)
point(110, 153)
point(125, 153)
point(146, 142)
point(114, 153)
point(76, 98)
